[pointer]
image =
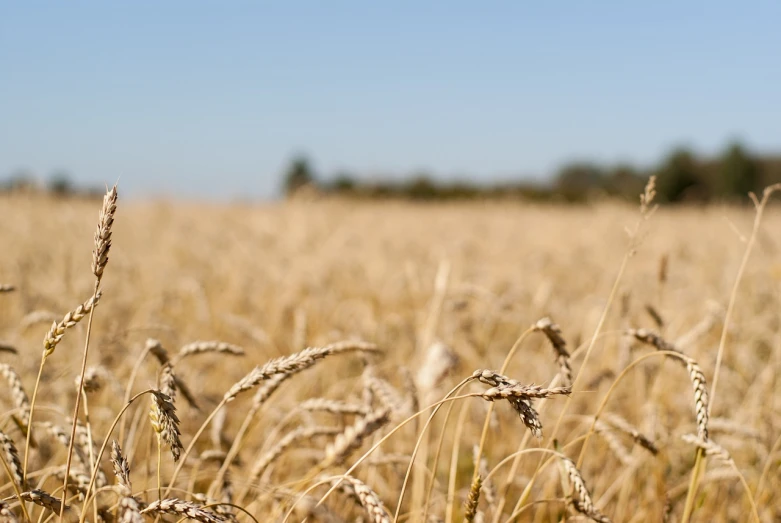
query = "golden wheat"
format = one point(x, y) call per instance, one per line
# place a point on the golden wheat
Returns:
point(443, 289)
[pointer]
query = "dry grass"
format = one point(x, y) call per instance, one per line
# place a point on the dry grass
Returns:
point(349, 321)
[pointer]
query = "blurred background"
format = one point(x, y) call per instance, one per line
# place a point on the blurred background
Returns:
point(444, 100)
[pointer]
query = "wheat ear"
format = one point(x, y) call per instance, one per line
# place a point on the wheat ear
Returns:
point(710, 447)
point(699, 384)
point(366, 497)
point(57, 331)
point(581, 499)
point(289, 365)
point(50, 342)
point(103, 233)
point(130, 510)
point(18, 394)
point(203, 347)
point(556, 339)
point(129, 506)
point(6, 514)
point(120, 465)
point(470, 507)
point(384, 392)
point(522, 406)
point(165, 422)
point(11, 457)
point(45, 500)
point(353, 436)
point(182, 508)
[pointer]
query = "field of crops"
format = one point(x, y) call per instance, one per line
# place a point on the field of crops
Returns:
point(282, 361)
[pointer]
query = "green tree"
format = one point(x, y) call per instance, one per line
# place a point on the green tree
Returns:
point(343, 182)
point(624, 181)
point(421, 187)
point(678, 178)
point(60, 184)
point(298, 175)
point(578, 181)
point(738, 173)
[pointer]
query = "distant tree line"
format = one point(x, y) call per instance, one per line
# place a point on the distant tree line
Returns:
point(59, 184)
point(682, 176)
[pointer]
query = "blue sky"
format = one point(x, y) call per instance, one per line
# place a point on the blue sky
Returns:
point(211, 99)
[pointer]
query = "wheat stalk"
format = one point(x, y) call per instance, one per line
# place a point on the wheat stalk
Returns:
point(268, 388)
point(182, 508)
point(365, 496)
point(18, 394)
point(353, 436)
point(487, 488)
point(384, 392)
point(11, 458)
point(204, 347)
point(438, 362)
point(103, 233)
point(699, 384)
point(518, 391)
point(289, 365)
point(613, 443)
point(57, 331)
point(154, 347)
point(99, 261)
point(581, 499)
point(6, 514)
point(93, 378)
point(334, 407)
point(165, 422)
point(86, 448)
point(624, 426)
point(121, 466)
point(389, 459)
point(470, 507)
point(130, 510)
point(275, 372)
point(522, 406)
point(157, 350)
point(63, 437)
point(78, 481)
point(219, 507)
point(737, 428)
point(296, 435)
point(556, 339)
point(45, 500)
point(649, 337)
point(167, 382)
point(710, 447)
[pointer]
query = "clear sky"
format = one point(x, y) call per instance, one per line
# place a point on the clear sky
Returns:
point(211, 99)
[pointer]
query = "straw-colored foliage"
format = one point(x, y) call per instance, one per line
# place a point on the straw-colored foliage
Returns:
point(389, 361)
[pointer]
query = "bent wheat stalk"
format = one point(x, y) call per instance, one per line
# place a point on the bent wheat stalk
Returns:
point(50, 342)
point(273, 369)
point(99, 261)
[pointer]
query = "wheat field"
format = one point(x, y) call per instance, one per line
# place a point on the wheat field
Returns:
point(282, 361)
